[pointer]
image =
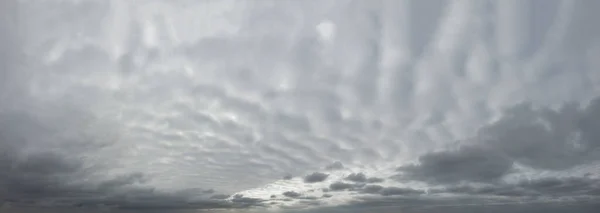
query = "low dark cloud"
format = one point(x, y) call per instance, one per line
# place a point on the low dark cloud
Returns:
point(496, 190)
point(292, 194)
point(208, 191)
point(371, 189)
point(56, 179)
point(545, 138)
point(339, 186)
point(389, 191)
point(399, 191)
point(219, 196)
point(374, 180)
point(543, 187)
point(568, 186)
point(311, 202)
point(246, 202)
point(469, 163)
point(315, 177)
point(362, 178)
point(541, 138)
point(308, 198)
point(335, 166)
point(357, 177)
point(423, 204)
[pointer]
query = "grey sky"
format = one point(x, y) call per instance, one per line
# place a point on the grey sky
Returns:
point(331, 106)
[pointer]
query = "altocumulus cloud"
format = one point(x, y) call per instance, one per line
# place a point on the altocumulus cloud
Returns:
point(361, 106)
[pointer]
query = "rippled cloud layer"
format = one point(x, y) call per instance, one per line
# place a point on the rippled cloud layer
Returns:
point(295, 106)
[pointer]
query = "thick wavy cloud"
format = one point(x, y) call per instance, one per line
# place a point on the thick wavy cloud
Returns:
point(295, 106)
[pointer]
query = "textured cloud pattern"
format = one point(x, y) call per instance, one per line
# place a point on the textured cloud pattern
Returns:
point(294, 106)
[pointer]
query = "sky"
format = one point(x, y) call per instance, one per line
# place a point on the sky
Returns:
point(299, 106)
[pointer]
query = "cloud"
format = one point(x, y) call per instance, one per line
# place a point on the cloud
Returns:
point(540, 188)
point(357, 177)
point(371, 189)
point(362, 178)
point(484, 190)
point(34, 173)
point(339, 186)
point(315, 177)
point(219, 196)
point(546, 138)
point(468, 163)
point(399, 191)
point(245, 202)
point(563, 186)
point(30, 177)
point(291, 194)
point(335, 166)
point(541, 138)
point(148, 107)
point(457, 205)
point(375, 180)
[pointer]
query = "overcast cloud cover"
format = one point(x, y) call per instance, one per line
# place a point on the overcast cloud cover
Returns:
point(299, 106)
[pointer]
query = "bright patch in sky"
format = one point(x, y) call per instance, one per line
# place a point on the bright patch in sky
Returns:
point(326, 30)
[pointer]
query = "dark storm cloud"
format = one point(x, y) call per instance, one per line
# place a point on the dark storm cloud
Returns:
point(38, 177)
point(544, 138)
point(315, 177)
point(469, 163)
